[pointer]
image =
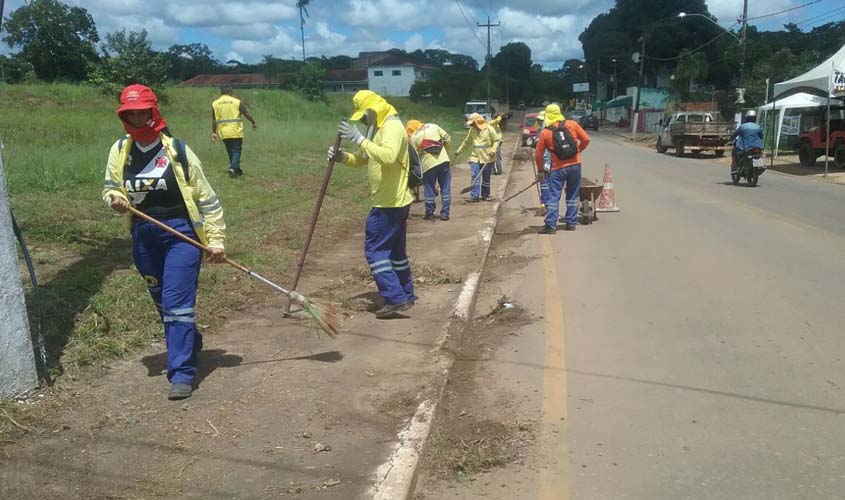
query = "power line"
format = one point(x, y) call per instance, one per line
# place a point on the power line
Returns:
point(785, 10)
point(821, 17)
point(458, 3)
point(720, 35)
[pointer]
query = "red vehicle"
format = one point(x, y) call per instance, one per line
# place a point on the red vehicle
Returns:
point(529, 129)
point(812, 144)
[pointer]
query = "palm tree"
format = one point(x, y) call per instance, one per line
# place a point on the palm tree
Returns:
point(301, 5)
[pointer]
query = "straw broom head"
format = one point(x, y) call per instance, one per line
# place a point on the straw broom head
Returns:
point(323, 315)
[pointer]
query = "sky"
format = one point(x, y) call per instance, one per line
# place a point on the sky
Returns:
point(246, 30)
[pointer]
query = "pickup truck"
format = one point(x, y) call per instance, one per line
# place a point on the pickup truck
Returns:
point(480, 107)
point(694, 131)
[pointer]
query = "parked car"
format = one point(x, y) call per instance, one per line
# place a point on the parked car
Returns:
point(694, 131)
point(529, 129)
point(813, 143)
point(589, 121)
point(576, 114)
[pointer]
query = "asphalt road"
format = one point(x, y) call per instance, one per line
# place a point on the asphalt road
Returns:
point(691, 346)
point(704, 329)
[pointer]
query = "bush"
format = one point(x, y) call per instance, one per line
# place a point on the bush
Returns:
point(309, 81)
point(129, 59)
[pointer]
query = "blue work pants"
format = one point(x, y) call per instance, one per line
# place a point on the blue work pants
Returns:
point(384, 247)
point(171, 269)
point(568, 178)
point(440, 175)
point(234, 148)
point(480, 183)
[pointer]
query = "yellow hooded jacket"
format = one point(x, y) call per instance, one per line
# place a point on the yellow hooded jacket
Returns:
point(483, 143)
point(431, 132)
point(386, 155)
point(497, 127)
point(202, 203)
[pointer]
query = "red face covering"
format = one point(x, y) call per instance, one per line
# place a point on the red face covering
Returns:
point(149, 132)
point(135, 97)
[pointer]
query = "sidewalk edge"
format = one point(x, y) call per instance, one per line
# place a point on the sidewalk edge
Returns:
point(396, 479)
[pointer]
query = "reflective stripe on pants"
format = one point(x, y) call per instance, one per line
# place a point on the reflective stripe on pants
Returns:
point(171, 268)
point(384, 247)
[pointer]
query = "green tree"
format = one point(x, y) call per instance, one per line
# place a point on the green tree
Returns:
point(129, 58)
point(58, 40)
point(309, 81)
point(14, 69)
point(419, 90)
point(188, 61)
point(512, 65)
point(691, 67)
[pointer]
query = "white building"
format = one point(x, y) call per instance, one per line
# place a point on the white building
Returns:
point(394, 77)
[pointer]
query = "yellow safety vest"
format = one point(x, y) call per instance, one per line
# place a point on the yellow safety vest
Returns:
point(227, 113)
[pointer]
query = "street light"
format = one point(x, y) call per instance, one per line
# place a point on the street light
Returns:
point(614, 77)
point(731, 33)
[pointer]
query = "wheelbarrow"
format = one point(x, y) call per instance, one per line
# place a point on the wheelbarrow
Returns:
point(589, 196)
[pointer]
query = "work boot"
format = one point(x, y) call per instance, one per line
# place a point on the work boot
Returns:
point(472, 200)
point(404, 306)
point(179, 391)
point(389, 310)
point(547, 230)
point(569, 227)
point(428, 216)
point(232, 173)
point(444, 216)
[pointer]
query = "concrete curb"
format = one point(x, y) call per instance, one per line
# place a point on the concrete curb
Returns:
point(396, 479)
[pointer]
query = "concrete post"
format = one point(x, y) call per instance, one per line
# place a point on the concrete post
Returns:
point(17, 359)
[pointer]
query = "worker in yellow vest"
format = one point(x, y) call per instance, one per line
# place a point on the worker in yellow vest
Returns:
point(227, 123)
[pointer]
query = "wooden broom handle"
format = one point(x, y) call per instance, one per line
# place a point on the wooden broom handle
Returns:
point(186, 239)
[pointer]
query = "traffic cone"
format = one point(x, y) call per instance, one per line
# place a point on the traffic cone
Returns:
point(607, 199)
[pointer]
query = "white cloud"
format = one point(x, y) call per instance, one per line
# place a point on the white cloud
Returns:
point(414, 42)
point(225, 13)
point(728, 11)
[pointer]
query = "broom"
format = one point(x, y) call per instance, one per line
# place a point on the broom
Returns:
point(323, 315)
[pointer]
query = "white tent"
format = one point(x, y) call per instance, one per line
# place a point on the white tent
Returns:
point(818, 81)
point(815, 81)
point(794, 101)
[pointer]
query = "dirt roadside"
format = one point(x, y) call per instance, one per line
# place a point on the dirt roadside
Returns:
point(279, 412)
point(488, 440)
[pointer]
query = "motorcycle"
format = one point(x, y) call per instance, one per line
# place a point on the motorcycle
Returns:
point(749, 165)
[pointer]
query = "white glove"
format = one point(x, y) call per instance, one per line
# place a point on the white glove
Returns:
point(350, 132)
point(338, 156)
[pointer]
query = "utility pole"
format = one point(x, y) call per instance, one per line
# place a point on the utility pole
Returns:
point(17, 358)
point(744, 43)
point(489, 58)
point(636, 117)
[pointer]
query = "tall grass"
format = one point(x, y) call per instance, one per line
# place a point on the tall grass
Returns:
point(57, 138)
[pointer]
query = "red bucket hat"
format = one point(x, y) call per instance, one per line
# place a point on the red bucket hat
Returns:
point(136, 97)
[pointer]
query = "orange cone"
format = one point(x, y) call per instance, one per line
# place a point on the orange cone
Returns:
point(607, 200)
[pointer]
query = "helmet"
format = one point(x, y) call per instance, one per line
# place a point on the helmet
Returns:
point(750, 115)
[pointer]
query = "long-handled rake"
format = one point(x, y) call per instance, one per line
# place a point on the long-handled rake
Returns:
point(526, 188)
point(325, 316)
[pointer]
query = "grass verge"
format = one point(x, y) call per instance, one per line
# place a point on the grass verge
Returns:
point(57, 138)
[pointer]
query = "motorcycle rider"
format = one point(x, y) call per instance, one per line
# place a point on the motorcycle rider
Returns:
point(749, 135)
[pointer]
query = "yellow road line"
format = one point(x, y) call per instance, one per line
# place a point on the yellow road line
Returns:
point(554, 476)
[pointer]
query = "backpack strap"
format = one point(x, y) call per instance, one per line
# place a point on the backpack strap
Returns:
point(182, 157)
